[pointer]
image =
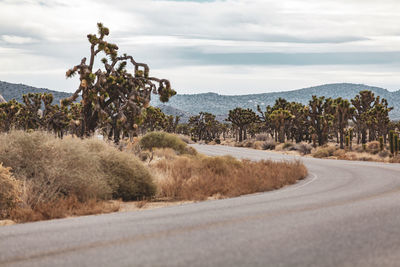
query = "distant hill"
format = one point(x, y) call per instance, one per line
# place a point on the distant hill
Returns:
point(186, 105)
point(221, 104)
point(15, 91)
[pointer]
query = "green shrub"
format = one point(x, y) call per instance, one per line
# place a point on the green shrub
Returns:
point(165, 140)
point(127, 176)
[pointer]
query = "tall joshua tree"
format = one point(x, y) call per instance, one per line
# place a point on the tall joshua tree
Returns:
point(320, 117)
point(112, 97)
point(362, 102)
point(242, 118)
point(343, 113)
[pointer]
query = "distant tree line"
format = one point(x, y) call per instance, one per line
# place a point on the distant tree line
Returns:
point(363, 118)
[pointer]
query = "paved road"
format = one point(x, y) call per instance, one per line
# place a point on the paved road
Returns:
point(344, 214)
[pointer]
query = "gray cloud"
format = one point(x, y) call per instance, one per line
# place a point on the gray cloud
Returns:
point(45, 37)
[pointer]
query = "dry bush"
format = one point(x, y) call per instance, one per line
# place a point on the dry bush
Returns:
point(269, 145)
point(303, 148)
point(198, 178)
point(384, 154)
point(395, 159)
point(373, 147)
point(167, 153)
point(128, 178)
point(10, 190)
point(324, 152)
point(165, 140)
point(287, 146)
point(61, 208)
point(51, 169)
point(262, 137)
point(185, 138)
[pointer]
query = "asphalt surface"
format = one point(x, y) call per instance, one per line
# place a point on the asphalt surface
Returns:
point(344, 214)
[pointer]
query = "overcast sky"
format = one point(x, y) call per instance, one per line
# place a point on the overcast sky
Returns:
point(228, 47)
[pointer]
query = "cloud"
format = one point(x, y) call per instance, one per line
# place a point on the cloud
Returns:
point(13, 39)
point(209, 35)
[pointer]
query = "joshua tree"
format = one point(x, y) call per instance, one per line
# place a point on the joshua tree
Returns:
point(320, 117)
point(242, 118)
point(112, 97)
point(363, 103)
point(343, 113)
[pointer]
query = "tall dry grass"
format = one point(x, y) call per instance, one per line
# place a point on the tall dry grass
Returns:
point(10, 191)
point(201, 177)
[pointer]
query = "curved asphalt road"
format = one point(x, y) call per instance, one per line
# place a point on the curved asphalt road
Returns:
point(344, 214)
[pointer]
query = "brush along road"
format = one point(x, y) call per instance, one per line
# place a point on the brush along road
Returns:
point(344, 214)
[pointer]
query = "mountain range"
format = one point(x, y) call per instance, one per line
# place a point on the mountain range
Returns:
point(186, 105)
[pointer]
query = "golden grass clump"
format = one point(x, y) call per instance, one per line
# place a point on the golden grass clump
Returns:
point(10, 190)
point(201, 177)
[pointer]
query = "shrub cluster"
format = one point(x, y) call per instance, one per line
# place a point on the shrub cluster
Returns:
point(52, 169)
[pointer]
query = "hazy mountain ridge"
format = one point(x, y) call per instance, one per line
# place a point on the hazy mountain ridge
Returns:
point(15, 91)
point(221, 104)
point(186, 105)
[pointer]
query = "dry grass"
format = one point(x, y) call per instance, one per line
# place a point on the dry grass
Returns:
point(10, 191)
point(201, 177)
point(61, 208)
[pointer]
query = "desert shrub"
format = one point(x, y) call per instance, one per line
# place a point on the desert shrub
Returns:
point(52, 168)
point(324, 152)
point(373, 147)
point(248, 143)
point(269, 145)
point(165, 140)
point(9, 192)
point(128, 177)
point(262, 137)
point(395, 159)
point(384, 154)
point(185, 138)
point(197, 178)
point(303, 148)
point(287, 146)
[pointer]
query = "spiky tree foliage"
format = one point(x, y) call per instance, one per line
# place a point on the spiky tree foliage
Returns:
point(381, 143)
point(113, 98)
point(321, 118)
point(153, 119)
point(242, 118)
point(281, 119)
point(391, 141)
point(204, 126)
point(343, 113)
point(9, 112)
point(363, 102)
point(299, 124)
point(171, 123)
point(30, 113)
point(379, 121)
